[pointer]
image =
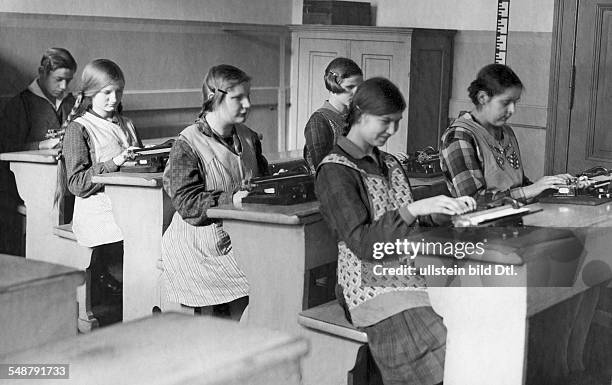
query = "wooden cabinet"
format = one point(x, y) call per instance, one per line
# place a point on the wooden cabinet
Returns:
point(418, 61)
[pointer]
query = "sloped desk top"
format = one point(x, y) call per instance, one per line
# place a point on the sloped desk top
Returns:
point(301, 213)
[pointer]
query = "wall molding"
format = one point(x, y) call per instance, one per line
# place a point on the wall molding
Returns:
point(526, 115)
point(171, 99)
point(112, 23)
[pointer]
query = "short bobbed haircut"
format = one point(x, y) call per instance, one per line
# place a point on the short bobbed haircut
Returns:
point(56, 58)
point(494, 79)
point(376, 96)
point(217, 82)
point(337, 70)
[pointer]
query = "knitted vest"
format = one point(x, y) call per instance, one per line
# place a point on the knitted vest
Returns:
point(384, 195)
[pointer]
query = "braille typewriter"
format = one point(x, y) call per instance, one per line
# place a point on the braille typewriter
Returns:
point(148, 159)
point(590, 187)
point(422, 164)
point(499, 213)
point(291, 183)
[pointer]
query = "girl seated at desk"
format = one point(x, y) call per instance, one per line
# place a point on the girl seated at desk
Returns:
point(480, 157)
point(479, 153)
point(366, 199)
point(96, 141)
point(208, 164)
point(342, 76)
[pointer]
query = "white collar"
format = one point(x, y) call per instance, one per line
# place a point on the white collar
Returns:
point(34, 88)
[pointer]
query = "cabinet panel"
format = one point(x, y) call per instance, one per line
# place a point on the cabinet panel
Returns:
point(390, 60)
point(314, 56)
point(403, 55)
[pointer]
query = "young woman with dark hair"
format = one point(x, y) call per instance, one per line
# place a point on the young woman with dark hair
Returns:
point(479, 153)
point(366, 200)
point(326, 124)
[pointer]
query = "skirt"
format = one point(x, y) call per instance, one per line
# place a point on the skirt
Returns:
point(199, 268)
point(409, 347)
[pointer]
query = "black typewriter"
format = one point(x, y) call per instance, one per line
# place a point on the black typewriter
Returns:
point(422, 164)
point(148, 159)
point(291, 182)
point(590, 187)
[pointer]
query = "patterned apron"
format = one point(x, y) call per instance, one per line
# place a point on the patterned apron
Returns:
point(384, 195)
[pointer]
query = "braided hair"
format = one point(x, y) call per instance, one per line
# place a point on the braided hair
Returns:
point(96, 75)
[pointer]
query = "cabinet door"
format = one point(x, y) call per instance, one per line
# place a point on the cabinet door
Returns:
point(314, 56)
point(590, 137)
point(388, 59)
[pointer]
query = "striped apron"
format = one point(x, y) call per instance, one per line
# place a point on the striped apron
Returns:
point(199, 268)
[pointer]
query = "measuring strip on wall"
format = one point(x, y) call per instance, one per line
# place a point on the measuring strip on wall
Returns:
point(501, 33)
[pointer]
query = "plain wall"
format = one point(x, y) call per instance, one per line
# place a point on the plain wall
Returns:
point(529, 46)
point(232, 11)
point(164, 62)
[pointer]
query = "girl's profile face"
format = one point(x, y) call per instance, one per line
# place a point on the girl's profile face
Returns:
point(377, 129)
point(236, 103)
point(350, 86)
point(497, 109)
point(106, 101)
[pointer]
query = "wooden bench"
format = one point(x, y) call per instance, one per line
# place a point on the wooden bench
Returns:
point(339, 352)
point(173, 349)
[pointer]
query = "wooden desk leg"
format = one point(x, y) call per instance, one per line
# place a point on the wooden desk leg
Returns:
point(86, 322)
point(486, 333)
point(139, 213)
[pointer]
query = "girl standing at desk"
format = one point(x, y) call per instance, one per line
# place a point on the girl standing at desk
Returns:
point(96, 141)
point(366, 200)
point(208, 164)
point(342, 76)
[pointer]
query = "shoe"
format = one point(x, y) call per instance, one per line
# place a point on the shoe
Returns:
point(110, 285)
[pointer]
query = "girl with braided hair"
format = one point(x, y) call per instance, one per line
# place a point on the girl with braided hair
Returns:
point(96, 141)
point(207, 166)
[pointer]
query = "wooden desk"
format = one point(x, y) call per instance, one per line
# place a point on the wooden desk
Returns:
point(277, 247)
point(38, 302)
point(35, 174)
point(142, 211)
point(174, 349)
point(488, 326)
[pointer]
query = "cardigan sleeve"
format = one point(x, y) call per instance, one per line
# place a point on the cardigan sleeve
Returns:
point(15, 127)
point(185, 184)
point(461, 166)
point(319, 138)
point(345, 208)
point(79, 155)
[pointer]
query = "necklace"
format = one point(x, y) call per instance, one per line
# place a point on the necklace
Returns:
point(502, 152)
point(505, 152)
